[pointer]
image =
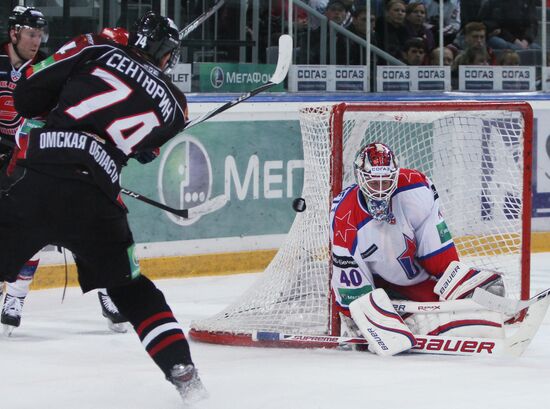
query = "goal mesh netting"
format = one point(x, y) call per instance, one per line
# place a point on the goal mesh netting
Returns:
point(474, 153)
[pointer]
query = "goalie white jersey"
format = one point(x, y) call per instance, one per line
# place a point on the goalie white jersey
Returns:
point(417, 246)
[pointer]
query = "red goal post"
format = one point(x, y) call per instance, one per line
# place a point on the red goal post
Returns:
point(479, 156)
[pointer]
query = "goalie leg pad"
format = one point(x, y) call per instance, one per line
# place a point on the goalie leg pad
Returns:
point(377, 320)
point(477, 324)
point(459, 282)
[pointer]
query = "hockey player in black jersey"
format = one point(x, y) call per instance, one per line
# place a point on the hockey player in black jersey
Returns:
point(106, 103)
point(27, 31)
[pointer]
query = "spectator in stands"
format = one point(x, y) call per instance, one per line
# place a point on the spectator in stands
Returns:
point(415, 21)
point(451, 18)
point(472, 56)
point(377, 6)
point(310, 51)
point(322, 6)
point(350, 8)
point(511, 24)
point(358, 27)
point(448, 56)
point(317, 5)
point(509, 57)
point(358, 24)
point(336, 11)
point(475, 36)
point(414, 51)
point(391, 29)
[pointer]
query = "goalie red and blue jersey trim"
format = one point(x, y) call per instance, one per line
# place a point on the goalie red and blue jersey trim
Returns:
point(349, 218)
point(436, 262)
point(409, 187)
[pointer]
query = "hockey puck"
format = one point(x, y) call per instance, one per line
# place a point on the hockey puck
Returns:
point(299, 204)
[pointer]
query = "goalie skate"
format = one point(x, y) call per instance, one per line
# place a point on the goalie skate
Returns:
point(186, 380)
point(115, 320)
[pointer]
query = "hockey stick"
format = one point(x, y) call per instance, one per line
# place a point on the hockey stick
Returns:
point(207, 207)
point(506, 305)
point(426, 344)
point(283, 64)
point(402, 306)
point(513, 345)
point(184, 32)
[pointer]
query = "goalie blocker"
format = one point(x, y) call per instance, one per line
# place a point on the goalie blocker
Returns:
point(459, 282)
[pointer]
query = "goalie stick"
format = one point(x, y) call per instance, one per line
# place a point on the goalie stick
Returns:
point(207, 207)
point(283, 64)
point(513, 345)
point(505, 305)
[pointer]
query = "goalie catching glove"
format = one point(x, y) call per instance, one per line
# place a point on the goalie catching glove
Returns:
point(459, 282)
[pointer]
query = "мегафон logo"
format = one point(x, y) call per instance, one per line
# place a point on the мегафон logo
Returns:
point(185, 176)
point(217, 77)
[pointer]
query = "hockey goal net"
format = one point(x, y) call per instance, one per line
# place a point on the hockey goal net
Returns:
point(477, 154)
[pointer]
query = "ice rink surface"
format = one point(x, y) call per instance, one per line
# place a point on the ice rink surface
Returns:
point(64, 357)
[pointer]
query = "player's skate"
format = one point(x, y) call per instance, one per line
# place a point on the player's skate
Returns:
point(186, 380)
point(115, 320)
point(11, 313)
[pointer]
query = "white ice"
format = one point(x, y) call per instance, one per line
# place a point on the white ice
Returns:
point(63, 357)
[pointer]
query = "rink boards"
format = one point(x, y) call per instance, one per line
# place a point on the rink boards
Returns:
point(253, 154)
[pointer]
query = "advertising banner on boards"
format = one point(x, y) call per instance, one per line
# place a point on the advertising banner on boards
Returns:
point(413, 78)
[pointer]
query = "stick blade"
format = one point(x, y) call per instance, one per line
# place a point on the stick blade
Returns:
point(496, 303)
point(209, 206)
point(520, 340)
point(284, 60)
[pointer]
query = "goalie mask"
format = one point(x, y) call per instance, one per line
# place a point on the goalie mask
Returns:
point(156, 36)
point(376, 174)
point(28, 17)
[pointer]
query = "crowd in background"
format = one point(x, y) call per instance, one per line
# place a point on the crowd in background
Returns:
point(475, 32)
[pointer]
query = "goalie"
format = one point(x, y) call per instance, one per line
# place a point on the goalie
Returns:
point(390, 241)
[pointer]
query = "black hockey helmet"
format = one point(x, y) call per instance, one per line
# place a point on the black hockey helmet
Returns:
point(156, 36)
point(30, 17)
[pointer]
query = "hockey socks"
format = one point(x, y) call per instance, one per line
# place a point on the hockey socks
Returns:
point(146, 309)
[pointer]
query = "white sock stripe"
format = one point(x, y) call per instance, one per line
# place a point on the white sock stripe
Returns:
point(158, 331)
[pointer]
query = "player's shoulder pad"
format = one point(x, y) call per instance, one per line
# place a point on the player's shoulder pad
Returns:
point(411, 179)
point(348, 200)
point(78, 43)
point(344, 192)
point(347, 217)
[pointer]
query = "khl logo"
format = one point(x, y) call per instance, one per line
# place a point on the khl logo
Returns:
point(217, 77)
point(185, 176)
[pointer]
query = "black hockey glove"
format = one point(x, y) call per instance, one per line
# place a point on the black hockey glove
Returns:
point(147, 156)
